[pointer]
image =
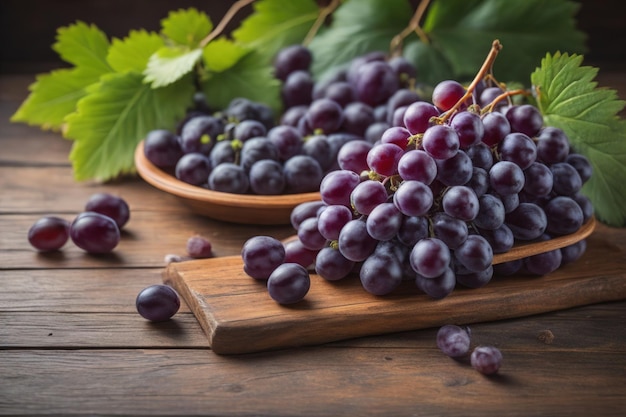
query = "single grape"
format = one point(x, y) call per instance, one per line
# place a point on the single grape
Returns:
point(266, 177)
point(381, 273)
point(417, 165)
point(324, 115)
point(527, 222)
point(94, 232)
point(367, 195)
point(297, 89)
point(552, 145)
point(475, 279)
point(383, 159)
point(199, 247)
point(417, 117)
point(286, 139)
point(384, 222)
point(295, 252)
point(456, 170)
point(413, 198)
point(566, 179)
point(496, 127)
point(288, 283)
point(430, 257)
point(582, 165)
point(564, 216)
point(162, 148)
point(491, 212)
point(354, 242)
point(318, 148)
point(49, 233)
point(303, 174)
point(413, 230)
point(506, 178)
point(486, 359)
point(475, 253)
point(257, 149)
point(248, 129)
point(461, 202)
point(352, 156)
point(290, 59)
point(453, 341)
point(519, 149)
point(525, 118)
point(447, 93)
point(332, 219)
point(331, 265)
point(229, 178)
point(469, 127)
point(339, 91)
point(451, 231)
point(375, 83)
point(309, 234)
point(357, 117)
point(193, 168)
point(157, 302)
point(200, 134)
point(261, 255)
point(441, 141)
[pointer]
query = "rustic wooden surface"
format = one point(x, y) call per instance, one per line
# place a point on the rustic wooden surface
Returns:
point(71, 342)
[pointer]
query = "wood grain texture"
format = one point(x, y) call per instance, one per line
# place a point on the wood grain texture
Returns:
point(238, 315)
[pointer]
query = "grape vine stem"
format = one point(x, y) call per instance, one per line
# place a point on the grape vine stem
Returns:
point(321, 18)
point(413, 26)
point(496, 47)
point(232, 11)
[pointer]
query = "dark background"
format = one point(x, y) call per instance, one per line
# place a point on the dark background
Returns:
point(28, 27)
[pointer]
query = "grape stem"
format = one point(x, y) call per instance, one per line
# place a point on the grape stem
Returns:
point(413, 26)
point(232, 11)
point(488, 108)
point(321, 18)
point(496, 47)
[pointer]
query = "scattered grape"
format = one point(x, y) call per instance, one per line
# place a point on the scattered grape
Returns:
point(49, 233)
point(453, 341)
point(94, 232)
point(157, 302)
point(486, 359)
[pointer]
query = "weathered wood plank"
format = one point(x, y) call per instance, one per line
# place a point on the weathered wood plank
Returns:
point(307, 382)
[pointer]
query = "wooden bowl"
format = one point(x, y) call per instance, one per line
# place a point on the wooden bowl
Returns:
point(523, 250)
point(235, 208)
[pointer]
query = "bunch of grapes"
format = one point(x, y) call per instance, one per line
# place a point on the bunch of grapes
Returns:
point(244, 148)
point(446, 185)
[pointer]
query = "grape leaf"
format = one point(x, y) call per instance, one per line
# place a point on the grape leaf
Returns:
point(115, 116)
point(186, 27)
point(169, 64)
point(133, 52)
point(463, 30)
point(53, 96)
point(275, 24)
point(244, 79)
point(221, 54)
point(358, 27)
point(84, 46)
point(570, 100)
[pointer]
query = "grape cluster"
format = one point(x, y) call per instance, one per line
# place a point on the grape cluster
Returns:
point(95, 230)
point(448, 184)
point(443, 192)
point(245, 149)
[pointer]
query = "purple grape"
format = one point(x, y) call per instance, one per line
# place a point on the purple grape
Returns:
point(305, 210)
point(417, 165)
point(157, 302)
point(564, 216)
point(266, 177)
point(461, 202)
point(552, 145)
point(441, 141)
point(332, 219)
point(538, 180)
point(200, 134)
point(469, 127)
point(295, 252)
point(430, 257)
point(451, 231)
point(193, 168)
point(475, 279)
point(162, 148)
point(336, 187)
point(286, 139)
point(383, 159)
point(110, 205)
point(199, 247)
point(94, 232)
point(506, 178)
point(352, 156)
point(248, 129)
point(519, 149)
point(418, 115)
point(582, 166)
point(457, 170)
point(496, 128)
point(475, 253)
point(367, 195)
point(380, 274)
point(486, 359)
point(437, 287)
point(318, 148)
point(49, 233)
point(490, 213)
point(331, 265)
point(453, 340)
point(447, 93)
point(375, 83)
point(354, 242)
point(527, 222)
point(229, 178)
point(357, 117)
point(297, 89)
point(325, 116)
point(303, 174)
point(339, 91)
point(309, 234)
point(261, 255)
point(291, 58)
point(525, 118)
point(384, 222)
point(413, 198)
point(288, 283)
point(566, 179)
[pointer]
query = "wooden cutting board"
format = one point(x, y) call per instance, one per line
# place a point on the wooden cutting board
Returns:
point(238, 316)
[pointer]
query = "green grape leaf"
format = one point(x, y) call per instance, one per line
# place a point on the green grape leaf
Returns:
point(186, 27)
point(53, 96)
point(169, 64)
point(221, 54)
point(244, 79)
point(115, 116)
point(133, 52)
point(358, 27)
point(84, 46)
point(570, 100)
point(463, 31)
point(275, 24)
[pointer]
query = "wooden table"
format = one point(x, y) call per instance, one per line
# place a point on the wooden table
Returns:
point(72, 343)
